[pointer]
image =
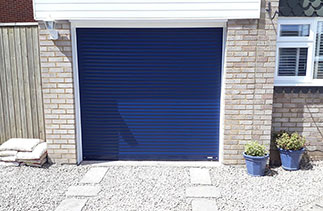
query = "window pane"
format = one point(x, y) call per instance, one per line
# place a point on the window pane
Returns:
point(292, 61)
point(295, 30)
point(302, 62)
point(318, 59)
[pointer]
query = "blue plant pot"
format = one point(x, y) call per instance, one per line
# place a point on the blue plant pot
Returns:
point(256, 165)
point(291, 158)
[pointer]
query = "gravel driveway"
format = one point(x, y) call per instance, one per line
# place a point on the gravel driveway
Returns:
point(158, 188)
point(27, 188)
point(284, 191)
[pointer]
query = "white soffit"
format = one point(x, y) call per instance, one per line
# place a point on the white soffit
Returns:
point(145, 9)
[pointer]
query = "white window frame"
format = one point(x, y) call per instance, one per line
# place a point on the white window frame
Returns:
point(144, 24)
point(298, 42)
point(309, 65)
point(294, 21)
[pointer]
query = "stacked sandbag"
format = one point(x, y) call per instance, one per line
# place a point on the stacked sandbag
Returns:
point(8, 155)
point(32, 152)
point(35, 158)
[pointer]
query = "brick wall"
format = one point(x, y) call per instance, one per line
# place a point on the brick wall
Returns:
point(300, 110)
point(16, 11)
point(58, 94)
point(250, 66)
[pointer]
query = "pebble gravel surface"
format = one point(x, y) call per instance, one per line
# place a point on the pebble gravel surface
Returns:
point(141, 188)
point(27, 188)
point(282, 190)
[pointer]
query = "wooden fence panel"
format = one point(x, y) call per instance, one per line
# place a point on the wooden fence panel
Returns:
point(21, 101)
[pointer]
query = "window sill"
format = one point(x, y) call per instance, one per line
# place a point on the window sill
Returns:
point(298, 83)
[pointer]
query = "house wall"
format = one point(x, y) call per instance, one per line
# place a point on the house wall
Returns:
point(16, 11)
point(250, 67)
point(58, 93)
point(300, 110)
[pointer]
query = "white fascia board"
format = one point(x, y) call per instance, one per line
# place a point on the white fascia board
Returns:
point(146, 9)
point(149, 24)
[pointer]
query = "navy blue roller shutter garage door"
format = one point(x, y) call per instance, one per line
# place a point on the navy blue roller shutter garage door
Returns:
point(150, 93)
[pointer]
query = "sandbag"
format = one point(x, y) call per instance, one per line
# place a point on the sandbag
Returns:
point(36, 164)
point(8, 153)
point(36, 154)
point(43, 157)
point(9, 164)
point(20, 144)
point(8, 159)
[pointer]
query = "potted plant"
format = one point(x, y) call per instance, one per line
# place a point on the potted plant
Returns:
point(291, 148)
point(256, 157)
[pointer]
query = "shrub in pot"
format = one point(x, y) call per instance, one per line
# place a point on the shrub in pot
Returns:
point(256, 157)
point(291, 148)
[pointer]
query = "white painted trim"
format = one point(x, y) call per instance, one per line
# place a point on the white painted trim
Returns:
point(149, 24)
point(292, 21)
point(222, 103)
point(20, 24)
point(139, 24)
point(146, 9)
point(299, 18)
point(286, 83)
point(77, 102)
point(154, 163)
point(34, 11)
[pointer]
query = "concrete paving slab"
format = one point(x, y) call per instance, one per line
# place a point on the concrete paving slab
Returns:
point(203, 192)
point(204, 205)
point(71, 204)
point(94, 175)
point(200, 176)
point(86, 190)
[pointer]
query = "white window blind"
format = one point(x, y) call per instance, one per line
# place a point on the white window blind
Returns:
point(292, 61)
point(318, 59)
